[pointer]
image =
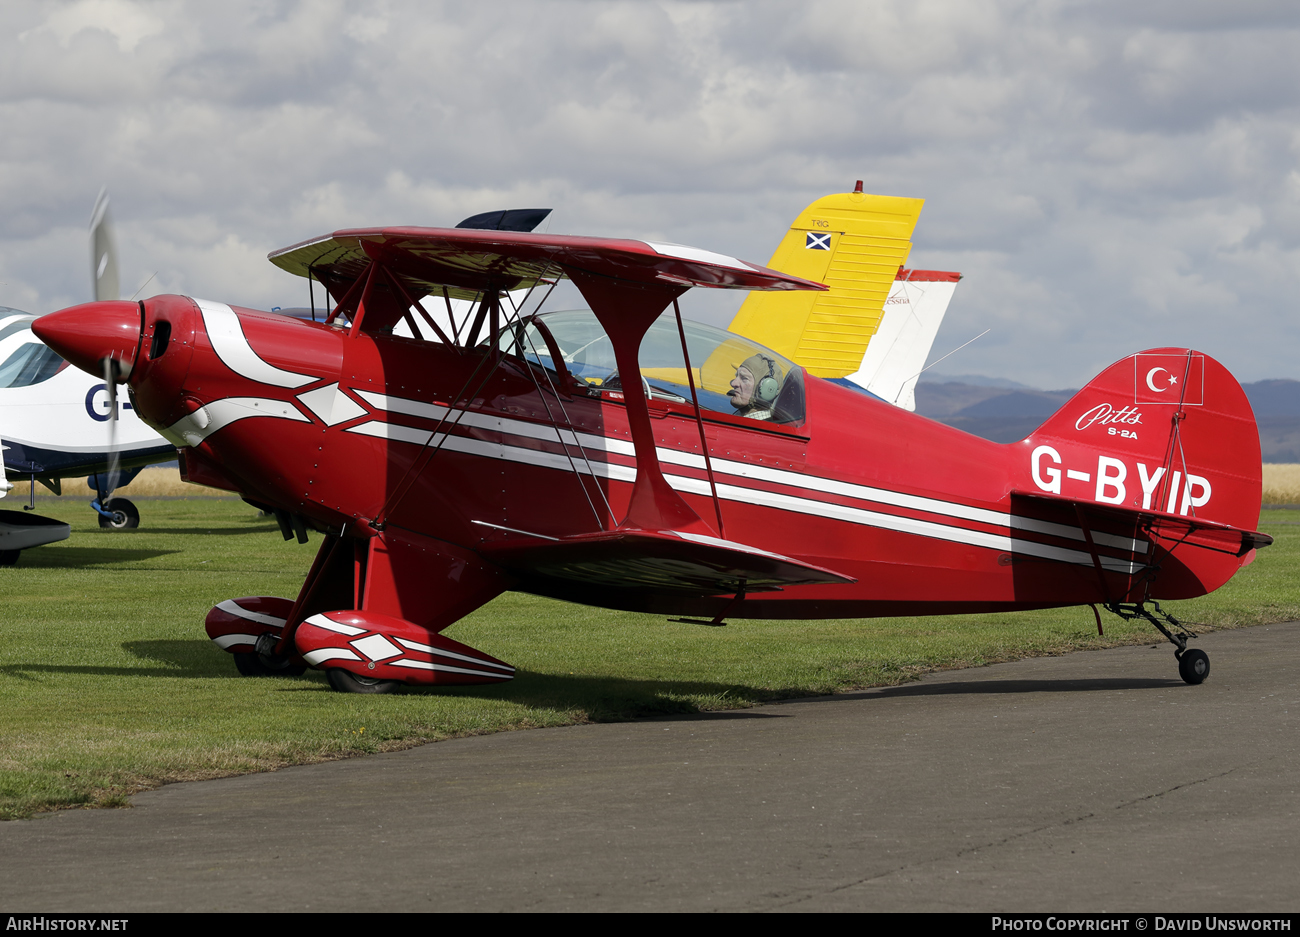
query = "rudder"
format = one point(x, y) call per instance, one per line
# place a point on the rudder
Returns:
point(854, 243)
point(1166, 430)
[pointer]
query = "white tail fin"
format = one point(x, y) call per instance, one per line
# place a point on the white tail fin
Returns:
point(897, 352)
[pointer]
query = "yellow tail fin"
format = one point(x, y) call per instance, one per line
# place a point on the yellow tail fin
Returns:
point(852, 242)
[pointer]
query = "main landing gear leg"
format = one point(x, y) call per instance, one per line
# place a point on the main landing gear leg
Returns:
point(1193, 663)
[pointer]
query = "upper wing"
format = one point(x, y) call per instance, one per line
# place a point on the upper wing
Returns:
point(469, 261)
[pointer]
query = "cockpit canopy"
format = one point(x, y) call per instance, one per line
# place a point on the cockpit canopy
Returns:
point(775, 388)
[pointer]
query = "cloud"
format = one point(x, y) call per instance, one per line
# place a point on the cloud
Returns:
point(126, 22)
point(1109, 176)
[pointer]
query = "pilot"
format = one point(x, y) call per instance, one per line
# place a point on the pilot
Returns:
point(754, 388)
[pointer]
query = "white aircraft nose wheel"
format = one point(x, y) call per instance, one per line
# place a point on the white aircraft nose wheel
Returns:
point(1193, 666)
point(125, 516)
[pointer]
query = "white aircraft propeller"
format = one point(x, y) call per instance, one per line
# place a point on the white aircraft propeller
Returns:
point(115, 513)
point(103, 251)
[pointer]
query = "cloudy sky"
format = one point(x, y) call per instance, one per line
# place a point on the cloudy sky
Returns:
point(1109, 176)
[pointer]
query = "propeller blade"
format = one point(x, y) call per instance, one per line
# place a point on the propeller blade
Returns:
point(103, 251)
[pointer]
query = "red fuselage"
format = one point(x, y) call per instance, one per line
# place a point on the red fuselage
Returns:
point(347, 429)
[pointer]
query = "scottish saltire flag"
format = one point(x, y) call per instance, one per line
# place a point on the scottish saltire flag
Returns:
point(818, 242)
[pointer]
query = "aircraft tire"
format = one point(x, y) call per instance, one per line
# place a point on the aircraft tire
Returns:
point(250, 665)
point(125, 516)
point(346, 682)
point(1193, 666)
point(9, 557)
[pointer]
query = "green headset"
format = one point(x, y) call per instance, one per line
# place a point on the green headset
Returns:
point(768, 386)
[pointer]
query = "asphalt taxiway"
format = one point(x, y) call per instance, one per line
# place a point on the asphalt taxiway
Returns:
point(1097, 781)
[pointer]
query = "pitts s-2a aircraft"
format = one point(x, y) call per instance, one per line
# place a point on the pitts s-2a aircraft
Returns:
point(624, 457)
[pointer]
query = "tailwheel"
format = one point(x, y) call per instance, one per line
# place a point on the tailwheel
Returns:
point(9, 557)
point(1193, 665)
point(347, 682)
point(122, 515)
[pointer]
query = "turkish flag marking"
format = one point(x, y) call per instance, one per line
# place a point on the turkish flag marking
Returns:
point(1172, 379)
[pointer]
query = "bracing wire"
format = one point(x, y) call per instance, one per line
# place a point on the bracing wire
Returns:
point(426, 454)
point(559, 433)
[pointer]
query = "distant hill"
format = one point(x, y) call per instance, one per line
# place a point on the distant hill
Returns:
point(975, 380)
point(991, 412)
point(1277, 411)
point(1007, 411)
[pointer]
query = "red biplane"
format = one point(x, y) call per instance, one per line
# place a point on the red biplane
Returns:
point(626, 458)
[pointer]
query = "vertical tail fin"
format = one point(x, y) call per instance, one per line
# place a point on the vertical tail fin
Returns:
point(1167, 430)
point(1159, 457)
point(855, 244)
point(896, 355)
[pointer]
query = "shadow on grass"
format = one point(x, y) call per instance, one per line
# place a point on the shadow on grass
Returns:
point(616, 699)
point(194, 657)
point(179, 659)
point(601, 698)
point(77, 557)
point(216, 530)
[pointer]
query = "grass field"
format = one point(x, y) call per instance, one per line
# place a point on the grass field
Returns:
point(108, 684)
point(1281, 483)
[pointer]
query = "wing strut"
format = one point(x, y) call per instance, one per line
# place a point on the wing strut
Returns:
point(626, 310)
point(1096, 559)
point(699, 421)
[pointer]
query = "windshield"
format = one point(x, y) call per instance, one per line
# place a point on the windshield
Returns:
point(732, 374)
point(30, 364)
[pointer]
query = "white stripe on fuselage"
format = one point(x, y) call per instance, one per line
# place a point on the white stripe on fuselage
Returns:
point(231, 345)
point(191, 430)
point(919, 527)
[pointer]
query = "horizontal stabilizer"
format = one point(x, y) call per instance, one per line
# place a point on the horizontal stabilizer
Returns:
point(1209, 535)
point(661, 560)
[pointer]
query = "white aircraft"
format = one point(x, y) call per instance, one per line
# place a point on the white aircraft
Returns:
point(58, 422)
